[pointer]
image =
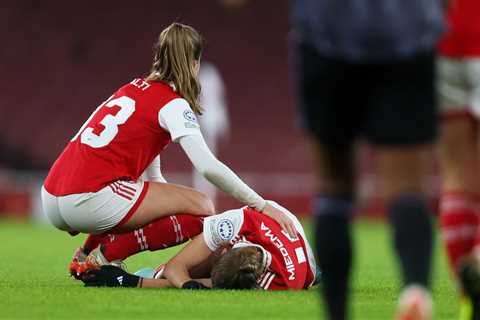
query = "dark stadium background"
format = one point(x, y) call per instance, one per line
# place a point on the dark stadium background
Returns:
point(60, 59)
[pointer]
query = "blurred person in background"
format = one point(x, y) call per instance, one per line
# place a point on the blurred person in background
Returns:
point(366, 69)
point(459, 100)
point(96, 186)
point(214, 124)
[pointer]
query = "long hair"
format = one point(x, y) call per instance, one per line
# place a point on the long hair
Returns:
point(239, 268)
point(175, 52)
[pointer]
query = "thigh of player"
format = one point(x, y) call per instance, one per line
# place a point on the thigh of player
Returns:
point(459, 100)
point(123, 206)
point(331, 99)
point(101, 211)
point(402, 123)
point(453, 89)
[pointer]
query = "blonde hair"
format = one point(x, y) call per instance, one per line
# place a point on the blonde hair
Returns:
point(175, 52)
point(239, 268)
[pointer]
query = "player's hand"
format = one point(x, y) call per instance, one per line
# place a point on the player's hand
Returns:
point(194, 285)
point(109, 276)
point(283, 220)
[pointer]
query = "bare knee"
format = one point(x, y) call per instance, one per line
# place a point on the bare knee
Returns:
point(458, 155)
point(205, 204)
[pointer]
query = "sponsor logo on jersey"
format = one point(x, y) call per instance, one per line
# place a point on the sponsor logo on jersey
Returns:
point(279, 244)
point(225, 229)
point(190, 116)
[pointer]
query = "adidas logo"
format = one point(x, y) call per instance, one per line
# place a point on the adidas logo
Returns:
point(120, 280)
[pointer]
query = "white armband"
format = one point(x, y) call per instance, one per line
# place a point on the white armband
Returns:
point(219, 229)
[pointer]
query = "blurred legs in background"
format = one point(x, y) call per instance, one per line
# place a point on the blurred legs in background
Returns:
point(459, 95)
point(391, 104)
point(401, 171)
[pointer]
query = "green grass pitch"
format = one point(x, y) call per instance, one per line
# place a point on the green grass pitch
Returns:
point(34, 285)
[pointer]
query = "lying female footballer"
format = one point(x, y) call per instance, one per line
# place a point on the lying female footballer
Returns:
point(238, 249)
point(96, 186)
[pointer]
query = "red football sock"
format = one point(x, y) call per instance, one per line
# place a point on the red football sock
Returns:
point(160, 234)
point(93, 240)
point(458, 222)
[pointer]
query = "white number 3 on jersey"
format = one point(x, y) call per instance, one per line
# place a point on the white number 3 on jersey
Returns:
point(111, 123)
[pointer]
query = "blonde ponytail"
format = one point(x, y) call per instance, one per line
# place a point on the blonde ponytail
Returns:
point(176, 52)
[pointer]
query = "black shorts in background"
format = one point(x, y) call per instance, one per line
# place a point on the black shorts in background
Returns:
point(388, 103)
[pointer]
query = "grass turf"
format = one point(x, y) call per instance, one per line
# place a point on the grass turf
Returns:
point(34, 285)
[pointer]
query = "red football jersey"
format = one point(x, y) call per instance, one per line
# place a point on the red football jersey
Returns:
point(463, 36)
point(118, 141)
point(291, 262)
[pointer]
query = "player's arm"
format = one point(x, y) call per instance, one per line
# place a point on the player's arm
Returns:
point(154, 172)
point(195, 259)
point(112, 276)
point(164, 283)
point(193, 254)
point(179, 120)
point(226, 180)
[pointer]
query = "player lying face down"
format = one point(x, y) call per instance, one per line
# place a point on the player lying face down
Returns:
point(258, 255)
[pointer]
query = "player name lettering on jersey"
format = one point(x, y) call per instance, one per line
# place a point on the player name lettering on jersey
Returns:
point(140, 84)
point(279, 244)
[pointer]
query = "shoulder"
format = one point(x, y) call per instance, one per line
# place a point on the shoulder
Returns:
point(178, 109)
point(164, 90)
point(220, 229)
point(177, 103)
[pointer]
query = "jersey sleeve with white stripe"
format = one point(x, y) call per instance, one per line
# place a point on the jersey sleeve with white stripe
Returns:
point(220, 229)
point(178, 119)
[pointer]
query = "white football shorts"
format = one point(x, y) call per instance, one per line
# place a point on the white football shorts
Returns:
point(95, 212)
point(458, 86)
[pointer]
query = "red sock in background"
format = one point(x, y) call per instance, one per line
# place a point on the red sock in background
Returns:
point(160, 234)
point(458, 222)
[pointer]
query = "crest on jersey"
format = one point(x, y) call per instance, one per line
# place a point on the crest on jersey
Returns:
point(190, 116)
point(225, 229)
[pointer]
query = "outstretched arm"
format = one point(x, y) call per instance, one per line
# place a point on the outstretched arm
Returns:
point(164, 283)
point(112, 276)
point(177, 270)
